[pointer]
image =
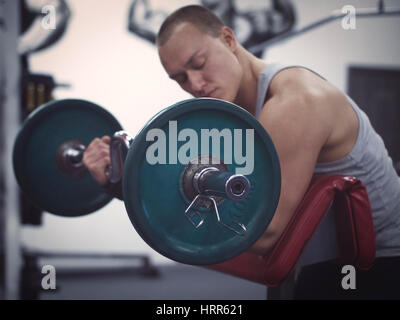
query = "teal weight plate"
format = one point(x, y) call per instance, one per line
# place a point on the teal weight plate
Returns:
point(35, 149)
point(153, 192)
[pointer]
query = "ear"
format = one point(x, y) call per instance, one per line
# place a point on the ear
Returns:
point(228, 38)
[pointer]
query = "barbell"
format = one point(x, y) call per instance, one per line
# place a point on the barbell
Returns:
point(200, 181)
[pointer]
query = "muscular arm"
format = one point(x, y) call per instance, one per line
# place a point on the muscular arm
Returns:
point(299, 128)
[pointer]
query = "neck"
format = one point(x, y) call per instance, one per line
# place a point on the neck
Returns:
point(251, 66)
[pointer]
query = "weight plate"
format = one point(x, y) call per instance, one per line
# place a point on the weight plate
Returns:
point(48, 128)
point(156, 203)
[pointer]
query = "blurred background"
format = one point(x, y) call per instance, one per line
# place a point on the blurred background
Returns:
point(104, 51)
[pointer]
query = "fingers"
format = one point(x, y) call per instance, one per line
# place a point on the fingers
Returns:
point(96, 157)
point(106, 139)
point(97, 150)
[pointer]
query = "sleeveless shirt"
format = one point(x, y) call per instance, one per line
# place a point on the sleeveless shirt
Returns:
point(368, 161)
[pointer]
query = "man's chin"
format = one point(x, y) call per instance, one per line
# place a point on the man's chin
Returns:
point(220, 96)
point(224, 97)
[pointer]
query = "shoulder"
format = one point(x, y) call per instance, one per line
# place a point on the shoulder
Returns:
point(301, 109)
point(302, 84)
point(300, 97)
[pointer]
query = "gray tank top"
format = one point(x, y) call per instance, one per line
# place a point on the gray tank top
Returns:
point(369, 162)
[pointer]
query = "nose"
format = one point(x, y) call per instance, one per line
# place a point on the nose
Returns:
point(197, 83)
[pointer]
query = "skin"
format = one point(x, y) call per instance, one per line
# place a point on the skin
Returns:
point(308, 119)
point(97, 157)
point(318, 123)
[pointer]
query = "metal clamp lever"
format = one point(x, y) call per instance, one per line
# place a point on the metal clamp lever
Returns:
point(190, 216)
point(241, 231)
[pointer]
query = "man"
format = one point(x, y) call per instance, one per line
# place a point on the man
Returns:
point(316, 128)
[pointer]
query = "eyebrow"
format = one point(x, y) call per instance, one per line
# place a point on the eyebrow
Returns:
point(188, 62)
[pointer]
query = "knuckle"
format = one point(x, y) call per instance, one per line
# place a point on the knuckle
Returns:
point(104, 153)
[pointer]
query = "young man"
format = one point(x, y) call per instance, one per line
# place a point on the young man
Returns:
point(315, 127)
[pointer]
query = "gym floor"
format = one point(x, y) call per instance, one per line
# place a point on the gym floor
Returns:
point(174, 282)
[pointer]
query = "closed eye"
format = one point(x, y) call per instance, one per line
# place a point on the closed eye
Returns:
point(199, 66)
point(199, 63)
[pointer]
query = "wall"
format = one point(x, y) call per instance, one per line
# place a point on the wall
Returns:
point(329, 49)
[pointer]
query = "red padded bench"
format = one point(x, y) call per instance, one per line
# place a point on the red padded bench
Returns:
point(352, 240)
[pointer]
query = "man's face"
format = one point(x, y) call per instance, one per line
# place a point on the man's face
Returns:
point(202, 65)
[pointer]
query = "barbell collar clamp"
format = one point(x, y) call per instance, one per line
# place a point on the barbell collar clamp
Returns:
point(190, 213)
point(210, 182)
point(213, 182)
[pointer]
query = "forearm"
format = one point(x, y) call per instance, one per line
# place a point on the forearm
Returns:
point(282, 216)
point(264, 244)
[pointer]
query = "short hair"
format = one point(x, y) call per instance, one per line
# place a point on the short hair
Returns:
point(200, 17)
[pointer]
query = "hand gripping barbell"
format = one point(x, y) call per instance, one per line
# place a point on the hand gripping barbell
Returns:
point(196, 212)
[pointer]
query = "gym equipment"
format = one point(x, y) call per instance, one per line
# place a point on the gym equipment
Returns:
point(251, 25)
point(45, 156)
point(315, 233)
point(34, 37)
point(199, 212)
point(156, 196)
point(380, 11)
